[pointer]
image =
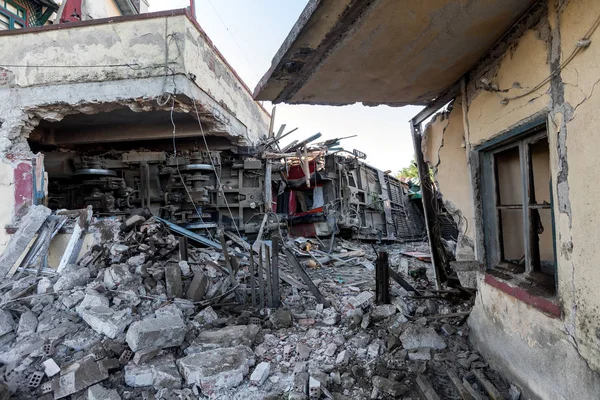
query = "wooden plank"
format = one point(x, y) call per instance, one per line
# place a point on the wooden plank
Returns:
point(275, 271)
point(261, 279)
point(464, 394)
point(252, 280)
point(488, 386)
point(472, 392)
point(269, 290)
point(70, 254)
point(426, 388)
point(407, 286)
point(300, 271)
point(225, 251)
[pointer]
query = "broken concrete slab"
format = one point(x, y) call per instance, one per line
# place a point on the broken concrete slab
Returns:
point(98, 392)
point(29, 225)
point(79, 376)
point(27, 324)
point(7, 323)
point(417, 336)
point(420, 354)
point(146, 355)
point(164, 331)
point(229, 336)
point(50, 367)
point(218, 369)
point(384, 311)
point(76, 277)
point(107, 321)
point(197, 288)
point(159, 373)
point(173, 281)
point(281, 319)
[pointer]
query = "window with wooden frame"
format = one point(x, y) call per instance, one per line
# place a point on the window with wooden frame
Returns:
point(517, 204)
point(12, 15)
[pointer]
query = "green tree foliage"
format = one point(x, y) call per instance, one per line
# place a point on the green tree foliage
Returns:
point(409, 172)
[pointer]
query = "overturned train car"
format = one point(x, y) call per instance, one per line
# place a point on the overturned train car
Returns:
point(343, 195)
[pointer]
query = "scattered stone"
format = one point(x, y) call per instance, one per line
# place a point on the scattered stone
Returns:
point(97, 392)
point(107, 321)
point(514, 392)
point(448, 330)
point(416, 336)
point(160, 373)
point(373, 350)
point(197, 288)
point(281, 319)
point(185, 268)
point(44, 286)
point(133, 221)
point(159, 332)
point(230, 336)
point(50, 368)
point(260, 374)
point(137, 260)
point(330, 349)
point(303, 351)
point(343, 358)
point(217, 369)
point(393, 388)
point(146, 355)
point(301, 382)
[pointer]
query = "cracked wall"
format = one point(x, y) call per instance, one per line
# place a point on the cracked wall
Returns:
point(515, 335)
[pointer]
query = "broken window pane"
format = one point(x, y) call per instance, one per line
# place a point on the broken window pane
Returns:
point(540, 162)
point(513, 243)
point(508, 175)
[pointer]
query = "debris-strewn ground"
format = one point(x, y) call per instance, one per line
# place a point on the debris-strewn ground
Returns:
point(133, 321)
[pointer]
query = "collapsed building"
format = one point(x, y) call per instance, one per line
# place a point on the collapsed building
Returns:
point(513, 154)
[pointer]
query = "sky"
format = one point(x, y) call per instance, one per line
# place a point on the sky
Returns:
point(249, 33)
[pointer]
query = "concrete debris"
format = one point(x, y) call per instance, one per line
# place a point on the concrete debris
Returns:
point(260, 373)
point(165, 331)
point(138, 337)
point(216, 370)
point(97, 392)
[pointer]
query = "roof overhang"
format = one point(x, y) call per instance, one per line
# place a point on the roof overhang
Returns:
point(384, 51)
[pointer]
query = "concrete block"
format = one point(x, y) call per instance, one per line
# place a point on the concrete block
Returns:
point(185, 268)
point(97, 392)
point(44, 286)
point(343, 358)
point(73, 299)
point(281, 319)
point(159, 373)
point(330, 349)
point(260, 374)
point(173, 281)
point(91, 300)
point(417, 336)
point(330, 317)
point(50, 367)
point(314, 388)
point(107, 321)
point(7, 323)
point(197, 288)
point(133, 221)
point(216, 370)
point(159, 332)
point(303, 351)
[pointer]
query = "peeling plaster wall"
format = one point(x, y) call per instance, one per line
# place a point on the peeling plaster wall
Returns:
point(444, 150)
point(552, 358)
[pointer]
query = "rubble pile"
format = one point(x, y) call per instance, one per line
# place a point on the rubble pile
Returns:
point(132, 320)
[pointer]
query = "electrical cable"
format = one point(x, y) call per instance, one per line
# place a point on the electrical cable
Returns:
point(179, 172)
point(581, 44)
point(215, 169)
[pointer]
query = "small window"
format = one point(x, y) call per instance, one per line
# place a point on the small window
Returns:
point(12, 16)
point(517, 202)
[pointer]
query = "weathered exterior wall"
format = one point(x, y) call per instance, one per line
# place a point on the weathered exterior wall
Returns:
point(552, 358)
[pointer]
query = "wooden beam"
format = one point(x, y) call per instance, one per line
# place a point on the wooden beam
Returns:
point(487, 385)
point(464, 394)
point(426, 388)
point(300, 271)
